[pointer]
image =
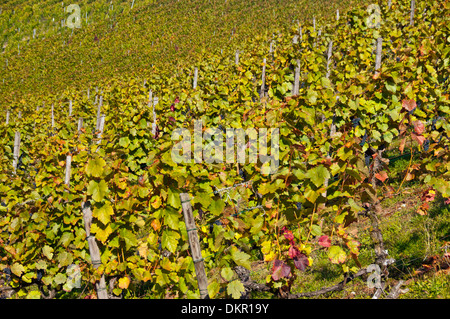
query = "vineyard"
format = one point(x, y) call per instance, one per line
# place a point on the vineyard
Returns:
point(112, 186)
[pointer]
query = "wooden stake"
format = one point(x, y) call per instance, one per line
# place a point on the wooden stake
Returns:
point(263, 78)
point(53, 118)
point(155, 101)
point(99, 109)
point(7, 117)
point(296, 88)
point(68, 167)
point(236, 58)
point(94, 251)
point(70, 108)
point(378, 55)
point(194, 246)
point(329, 53)
point(101, 125)
point(195, 77)
point(16, 150)
point(413, 8)
point(80, 124)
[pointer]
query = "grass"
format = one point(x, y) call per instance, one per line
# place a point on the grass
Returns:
point(411, 239)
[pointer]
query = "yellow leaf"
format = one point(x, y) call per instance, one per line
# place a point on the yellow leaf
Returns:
point(270, 256)
point(156, 224)
point(124, 282)
point(143, 250)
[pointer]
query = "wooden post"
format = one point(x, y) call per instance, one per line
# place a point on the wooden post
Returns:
point(314, 23)
point(296, 88)
point(329, 53)
point(150, 96)
point(80, 124)
point(263, 78)
point(150, 102)
point(101, 125)
point(195, 78)
point(194, 246)
point(70, 108)
point(16, 150)
point(337, 14)
point(155, 101)
point(389, 4)
point(7, 116)
point(68, 167)
point(378, 55)
point(53, 118)
point(94, 252)
point(236, 58)
point(411, 16)
point(99, 109)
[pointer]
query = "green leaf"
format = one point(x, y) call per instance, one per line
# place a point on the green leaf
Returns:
point(95, 167)
point(97, 190)
point(336, 255)
point(169, 240)
point(60, 279)
point(17, 269)
point(171, 219)
point(318, 175)
point(41, 264)
point(391, 87)
point(316, 230)
point(213, 289)
point(311, 95)
point(129, 238)
point(240, 258)
point(257, 225)
point(227, 273)
point(217, 207)
point(66, 238)
point(48, 252)
point(103, 213)
point(235, 289)
point(173, 199)
point(34, 294)
point(64, 259)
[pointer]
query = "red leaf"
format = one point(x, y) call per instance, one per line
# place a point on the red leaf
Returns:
point(420, 139)
point(280, 270)
point(324, 241)
point(382, 176)
point(301, 262)
point(447, 202)
point(409, 104)
point(288, 234)
point(293, 252)
point(419, 128)
point(428, 195)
